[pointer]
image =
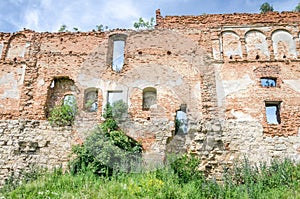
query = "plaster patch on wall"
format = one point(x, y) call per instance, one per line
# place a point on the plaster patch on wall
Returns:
point(21, 72)
point(231, 44)
point(175, 82)
point(256, 44)
point(283, 43)
point(141, 84)
point(241, 116)
point(10, 86)
point(1, 48)
point(41, 82)
point(197, 91)
point(27, 45)
point(219, 88)
point(87, 81)
point(232, 86)
point(294, 84)
point(217, 46)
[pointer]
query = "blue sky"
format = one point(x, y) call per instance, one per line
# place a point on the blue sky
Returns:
point(49, 15)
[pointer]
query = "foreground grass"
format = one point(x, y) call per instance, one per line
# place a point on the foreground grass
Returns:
point(280, 180)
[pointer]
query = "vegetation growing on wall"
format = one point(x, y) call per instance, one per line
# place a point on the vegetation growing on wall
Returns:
point(297, 8)
point(107, 149)
point(63, 115)
point(142, 24)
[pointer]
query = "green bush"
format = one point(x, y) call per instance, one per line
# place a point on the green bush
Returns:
point(63, 115)
point(117, 110)
point(186, 167)
point(106, 150)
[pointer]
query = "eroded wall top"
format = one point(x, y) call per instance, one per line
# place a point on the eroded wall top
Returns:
point(218, 20)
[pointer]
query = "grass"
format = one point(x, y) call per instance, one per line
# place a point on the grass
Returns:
point(280, 179)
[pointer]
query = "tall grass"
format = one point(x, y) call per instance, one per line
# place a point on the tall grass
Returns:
point(280, 179)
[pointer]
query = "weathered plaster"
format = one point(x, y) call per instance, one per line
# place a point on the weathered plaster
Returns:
point(212, 64)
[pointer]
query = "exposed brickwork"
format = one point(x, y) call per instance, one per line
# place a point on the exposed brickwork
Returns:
point(217, 20)
point(210, 63)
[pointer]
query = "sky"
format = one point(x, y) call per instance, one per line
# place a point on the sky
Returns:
point(49, 15)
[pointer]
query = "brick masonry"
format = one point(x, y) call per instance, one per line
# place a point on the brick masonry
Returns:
point(210, 63)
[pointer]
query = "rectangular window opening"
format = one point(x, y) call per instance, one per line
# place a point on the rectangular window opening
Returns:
point(118, 55)
point(268, 82)
point(273, 112)
point(114, 96)
point(181, 122)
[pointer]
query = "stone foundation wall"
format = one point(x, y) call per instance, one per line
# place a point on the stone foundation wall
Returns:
point(25, 143)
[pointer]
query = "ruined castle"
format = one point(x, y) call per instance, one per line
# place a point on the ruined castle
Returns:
point(233, 80)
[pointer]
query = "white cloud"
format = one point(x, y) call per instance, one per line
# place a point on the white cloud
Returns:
point(49, 15)
point(32, 19)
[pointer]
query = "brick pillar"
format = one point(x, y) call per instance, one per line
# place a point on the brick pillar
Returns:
point(244, 49)
point(270, 48)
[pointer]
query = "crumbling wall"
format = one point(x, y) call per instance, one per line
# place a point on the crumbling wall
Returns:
point(28, 143)
point(213, 65)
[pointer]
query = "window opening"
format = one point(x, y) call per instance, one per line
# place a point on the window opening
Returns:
point(1, 48)
point(149, 98)
point(114, 96)
point(91, 101)
point(52, 84)
point(273, 112)
point(268, 82)
point(118, 55)
point(70, 100)
point(181, 122)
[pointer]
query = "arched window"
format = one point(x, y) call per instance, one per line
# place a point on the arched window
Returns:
point(61, 91)
point(149, 97)
point(91, 100)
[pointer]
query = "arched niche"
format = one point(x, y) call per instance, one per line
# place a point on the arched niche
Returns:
point(232, 46)
point(91, 100)
point(17, 46)
point(283, 44)
point(59, 88)
point(256, 45)
point(149, 97)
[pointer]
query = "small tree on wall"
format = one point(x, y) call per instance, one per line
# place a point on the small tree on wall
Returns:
point(297, 8)
point(266, 7)
point(63, 28)
point(142, 24)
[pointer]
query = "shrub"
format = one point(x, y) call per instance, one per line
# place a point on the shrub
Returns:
point(119, 109)
point(186, 168)
point(63, 115)
point(116, 110)
point(106, 150)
